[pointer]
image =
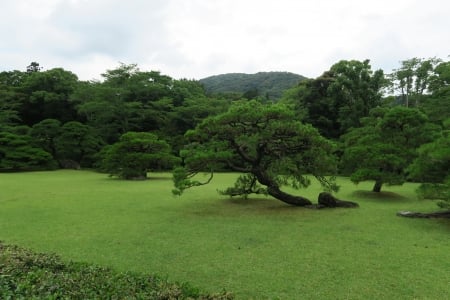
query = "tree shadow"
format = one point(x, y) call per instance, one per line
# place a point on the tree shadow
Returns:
point(383, 196)
point(149, 178)
point(268, 203)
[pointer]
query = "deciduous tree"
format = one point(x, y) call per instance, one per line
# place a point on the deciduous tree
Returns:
point(413, 79)
point(335, 101)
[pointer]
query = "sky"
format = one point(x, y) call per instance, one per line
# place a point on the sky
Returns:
point(194, 39)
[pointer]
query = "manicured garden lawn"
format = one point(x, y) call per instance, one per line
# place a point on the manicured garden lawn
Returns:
point(258, 248)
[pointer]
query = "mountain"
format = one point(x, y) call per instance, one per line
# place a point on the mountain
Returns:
point(266, 84)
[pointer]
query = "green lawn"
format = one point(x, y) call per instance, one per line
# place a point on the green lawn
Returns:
point(256, 248)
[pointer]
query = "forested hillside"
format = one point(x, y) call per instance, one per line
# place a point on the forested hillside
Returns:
point(269, 85)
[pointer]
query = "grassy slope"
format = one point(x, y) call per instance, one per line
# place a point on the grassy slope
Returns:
point(257, 248)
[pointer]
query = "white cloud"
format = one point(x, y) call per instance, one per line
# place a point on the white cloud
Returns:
point(198, 38)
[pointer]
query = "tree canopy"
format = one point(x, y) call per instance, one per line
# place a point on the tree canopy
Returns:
point(431, 167)
point(336, 100)
point(135, 154)
point(385, 145)
point(266, 144)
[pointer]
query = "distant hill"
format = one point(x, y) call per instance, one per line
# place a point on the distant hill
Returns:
point(265, 84)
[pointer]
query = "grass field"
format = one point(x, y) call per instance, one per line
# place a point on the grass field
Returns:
point(256, 248)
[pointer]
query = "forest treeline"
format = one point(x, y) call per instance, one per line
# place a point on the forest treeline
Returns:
point(385, 127)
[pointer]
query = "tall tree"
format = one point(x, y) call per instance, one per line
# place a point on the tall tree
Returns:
point(437, 104)
point(47, 96)
point(335, 101)
point(10, 98)
point(127, 100)
point(412, 80)
point(265, 143)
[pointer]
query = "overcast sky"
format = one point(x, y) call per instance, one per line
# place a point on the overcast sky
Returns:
point(197, 38)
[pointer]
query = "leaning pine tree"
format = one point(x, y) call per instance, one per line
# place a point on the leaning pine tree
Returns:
point(266, 144)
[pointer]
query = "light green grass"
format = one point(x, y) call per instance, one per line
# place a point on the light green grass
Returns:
point(257, 248)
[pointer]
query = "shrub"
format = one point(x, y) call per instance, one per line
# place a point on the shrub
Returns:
point(29, 275)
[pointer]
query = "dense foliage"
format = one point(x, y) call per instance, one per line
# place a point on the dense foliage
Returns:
point(28, 275)
point(385, 145)
point(266, 144)
point(267, 85)
point(337, 100)
point(136, 154)
point(431, 167)
point(50, 119)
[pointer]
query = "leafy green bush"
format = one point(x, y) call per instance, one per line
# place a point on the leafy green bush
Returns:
point(29, 275)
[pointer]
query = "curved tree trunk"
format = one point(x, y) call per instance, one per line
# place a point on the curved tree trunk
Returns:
point(275, 192)
point(325, 199)
point(377, 186)
point(328, 200)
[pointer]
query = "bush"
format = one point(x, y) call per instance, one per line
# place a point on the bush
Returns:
point(29, 275)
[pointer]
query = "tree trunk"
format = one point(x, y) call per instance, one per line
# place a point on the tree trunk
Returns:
point(377, 186)
point(275, 192)
point(273, 189)
point(326, 199)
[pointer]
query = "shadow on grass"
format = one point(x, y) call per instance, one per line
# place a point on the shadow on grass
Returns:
point(262, 204)
point(383, 196)
point(148, 179)
point(251, 207)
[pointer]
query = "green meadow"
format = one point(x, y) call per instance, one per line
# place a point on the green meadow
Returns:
point(258, 248)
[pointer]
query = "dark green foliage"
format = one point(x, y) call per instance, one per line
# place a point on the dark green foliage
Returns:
point(45, 135)
point(436, 191)
point(262, 141)
point(28, 275)
point(71, 120)
point(432, 167)
point(18, 154)
point(267, 85)
point(335, 101)
point(385, 145)
point(437, 105)
point(73, 144)
point(413, 79)
point(133, 100)
point(433, 161)
point(135, 154)
point(46, 96)
point(77, 143)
